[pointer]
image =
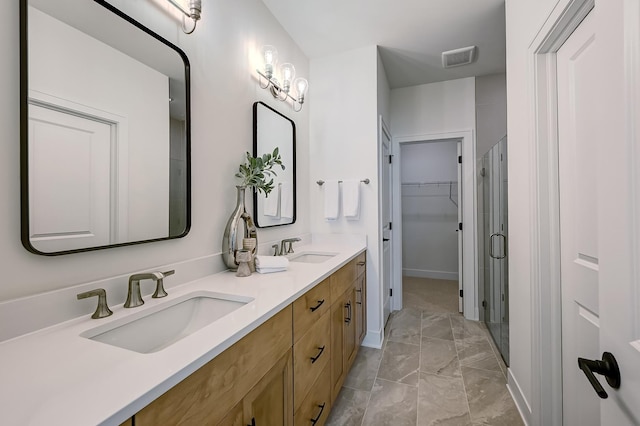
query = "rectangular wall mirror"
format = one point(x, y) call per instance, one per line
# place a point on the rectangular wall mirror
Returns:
point(105, 129)
point(270, 130)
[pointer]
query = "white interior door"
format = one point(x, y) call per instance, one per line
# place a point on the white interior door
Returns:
point(577, 125)
point(599, 299)
point(619, 199)
point(386, 221)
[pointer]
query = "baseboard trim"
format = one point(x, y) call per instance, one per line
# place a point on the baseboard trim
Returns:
point(516, 393)
point(373, 339)
point(425, 273)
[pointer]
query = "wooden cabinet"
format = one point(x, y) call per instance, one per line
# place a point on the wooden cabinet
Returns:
point(287, 371)
point(315, 408)
point(361, 306)
point(311, 355)
point(269, 402)
point(310, 307)
point(348, 315)
point(211, 393)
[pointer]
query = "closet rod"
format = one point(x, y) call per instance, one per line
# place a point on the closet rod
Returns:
point(365, 181)
point(444, 182)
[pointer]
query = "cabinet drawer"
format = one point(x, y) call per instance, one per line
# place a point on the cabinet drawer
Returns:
point(310, 307)
point(310, 357)
point(361, 263)
point(342, 279)
point(317, 405)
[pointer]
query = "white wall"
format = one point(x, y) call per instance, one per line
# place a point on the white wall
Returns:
point(446, 106)
point(524, 19)
point(429, 217)
point(343, 145)
point(491, 111)
point(223, 54)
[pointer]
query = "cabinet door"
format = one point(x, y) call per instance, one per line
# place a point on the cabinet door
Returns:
point(337, 346)
point(361, 308)
point(235, 417)
point(350, 328)
point(269, 403)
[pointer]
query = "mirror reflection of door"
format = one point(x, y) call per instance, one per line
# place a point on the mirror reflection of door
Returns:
point(70, 181)
point(87, 65)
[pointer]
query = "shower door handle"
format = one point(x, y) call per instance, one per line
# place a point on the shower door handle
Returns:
point(504, 240)
point(491, 245)
point(504, 246)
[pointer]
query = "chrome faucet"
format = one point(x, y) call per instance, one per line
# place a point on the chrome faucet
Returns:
point(290, 241)
point(134, 298)
point(102, 311)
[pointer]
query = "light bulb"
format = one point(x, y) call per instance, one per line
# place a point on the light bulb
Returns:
point(270, 55)
point(301, 85)
point(288, 73)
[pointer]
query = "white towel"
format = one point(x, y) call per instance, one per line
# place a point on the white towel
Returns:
point(272, 202)
point(271, 262)
point(286, 200)
point(351, 199)
point(331, 199)
point(269, 270)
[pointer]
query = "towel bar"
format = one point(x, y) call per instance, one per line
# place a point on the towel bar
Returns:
point(365, 181)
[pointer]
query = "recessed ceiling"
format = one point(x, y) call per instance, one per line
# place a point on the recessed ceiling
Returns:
point(411, 34)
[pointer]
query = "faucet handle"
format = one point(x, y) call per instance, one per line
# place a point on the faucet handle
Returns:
point(102, 310)
point(160, 292)
point(275, 248)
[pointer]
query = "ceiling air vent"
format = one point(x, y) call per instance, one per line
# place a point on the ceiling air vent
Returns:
point(457, 57)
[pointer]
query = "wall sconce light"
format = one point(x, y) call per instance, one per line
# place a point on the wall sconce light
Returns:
point(195, 9)
point(280, 89)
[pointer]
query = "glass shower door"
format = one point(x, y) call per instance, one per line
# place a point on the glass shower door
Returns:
point(495, 224)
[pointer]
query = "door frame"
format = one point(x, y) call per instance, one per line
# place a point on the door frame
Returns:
point(469, 273)
point(397, 294)
point(546, 293)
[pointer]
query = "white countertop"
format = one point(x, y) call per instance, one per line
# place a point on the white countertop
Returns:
point(55, 376)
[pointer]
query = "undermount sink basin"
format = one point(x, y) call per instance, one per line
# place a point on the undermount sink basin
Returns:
point(164, 325)
point(311, 257)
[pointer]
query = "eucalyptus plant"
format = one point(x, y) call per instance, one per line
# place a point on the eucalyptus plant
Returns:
point(255, 171)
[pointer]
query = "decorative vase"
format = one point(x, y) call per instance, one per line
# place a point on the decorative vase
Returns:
point(243, 257)
point(232, 239)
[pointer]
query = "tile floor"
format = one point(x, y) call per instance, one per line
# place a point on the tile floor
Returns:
point(435, 368)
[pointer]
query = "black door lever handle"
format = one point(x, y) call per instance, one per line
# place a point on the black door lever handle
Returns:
point(608, 367)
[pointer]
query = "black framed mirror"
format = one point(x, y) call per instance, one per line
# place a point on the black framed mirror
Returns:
point(270, 130)
point(105, 129)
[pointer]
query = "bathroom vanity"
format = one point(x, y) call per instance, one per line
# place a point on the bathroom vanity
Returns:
point(280, 358)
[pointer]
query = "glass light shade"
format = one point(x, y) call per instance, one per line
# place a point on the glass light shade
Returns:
point(301, 85)
point(287, 73)
point(270, 55)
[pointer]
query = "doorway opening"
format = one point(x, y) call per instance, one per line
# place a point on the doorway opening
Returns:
point(434, 201)
point(431, 214)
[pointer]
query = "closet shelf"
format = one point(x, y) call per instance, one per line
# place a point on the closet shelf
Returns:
point(448, 184)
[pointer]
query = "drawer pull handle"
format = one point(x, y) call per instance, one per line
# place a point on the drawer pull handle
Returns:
point(348, 307)
point(314, 421)
point(360, 263)
point(313, 308)
point(315, 358)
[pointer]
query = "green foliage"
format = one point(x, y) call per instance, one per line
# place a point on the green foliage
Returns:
point(256, 170)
